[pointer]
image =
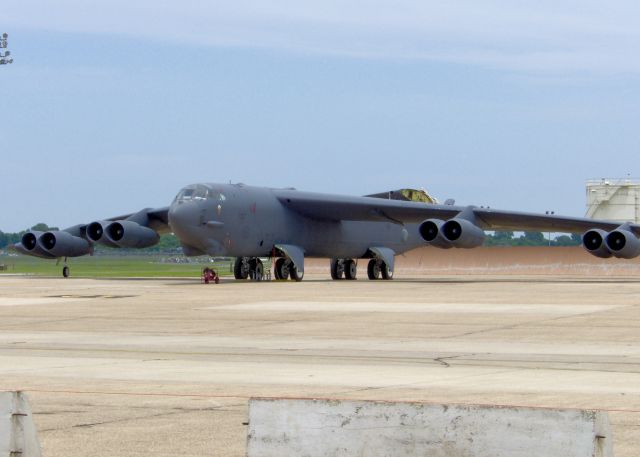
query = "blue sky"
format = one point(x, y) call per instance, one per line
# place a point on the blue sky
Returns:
point(110, 107)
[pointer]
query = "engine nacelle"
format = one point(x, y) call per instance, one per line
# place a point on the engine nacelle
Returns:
point(594, 243)
point(63, 244)
point(623, 244)
point(128, 234)
point(462, 234)
point(29, 245)
point(95, 233)
point(431, 233)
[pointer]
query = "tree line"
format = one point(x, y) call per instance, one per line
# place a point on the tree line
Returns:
point(531, 239)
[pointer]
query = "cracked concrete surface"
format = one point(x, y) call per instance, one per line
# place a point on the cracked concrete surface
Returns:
point(168, 366)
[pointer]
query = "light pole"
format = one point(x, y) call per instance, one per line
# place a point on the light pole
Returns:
point(550, 213)
point(5, 58)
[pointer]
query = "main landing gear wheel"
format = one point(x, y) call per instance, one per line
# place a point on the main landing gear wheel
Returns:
point(248, 267)
point(337, 268)
point(377, 269)
point(241, 268)
point(373, 269)
point(343, 269)
point(282, 268)
point(350, 269)
point(294, 273)
point(256, 269)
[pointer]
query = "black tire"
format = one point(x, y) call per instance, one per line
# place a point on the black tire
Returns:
point(294, 273)
point(240, 268)
point(276, 269)
point(65, 271)
point(281, 269)
point(373, 269)
point(386, 272)
point(337, 269)
point(350, 269)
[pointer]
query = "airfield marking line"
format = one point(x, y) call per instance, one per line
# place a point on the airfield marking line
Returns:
point(247, 397)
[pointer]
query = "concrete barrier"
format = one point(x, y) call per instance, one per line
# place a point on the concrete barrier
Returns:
point(332, 428)
point(18, 435)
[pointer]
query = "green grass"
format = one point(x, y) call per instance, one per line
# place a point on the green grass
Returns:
point(110, 266)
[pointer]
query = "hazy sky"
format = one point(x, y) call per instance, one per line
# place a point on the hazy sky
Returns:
point(112, 106)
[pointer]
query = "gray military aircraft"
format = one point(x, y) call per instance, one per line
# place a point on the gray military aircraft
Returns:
point(249, 222)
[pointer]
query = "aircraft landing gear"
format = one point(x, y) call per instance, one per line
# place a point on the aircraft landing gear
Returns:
point(256, 269)
point(281, 269)
point(285, 269)
point(294, 273)
point(241, 268)
point(347, 268)
point(66, 271)
point(248, 267)
point(377, 269)
point(337, 268)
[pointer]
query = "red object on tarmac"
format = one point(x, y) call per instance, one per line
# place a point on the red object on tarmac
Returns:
point(209, 274)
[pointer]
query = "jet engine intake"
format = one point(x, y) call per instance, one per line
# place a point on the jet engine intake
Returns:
point(462, 233)
point(29, 245)
point(623, 244)
point(594, 243)
point(95, 233)
point(63, 244)
point(431, 233)
point(129, 234)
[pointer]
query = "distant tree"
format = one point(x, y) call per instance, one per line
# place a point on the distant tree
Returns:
point(532, 239)
point(563, 240)
point(167, 243)
point(42, 227)
point(500, 239)
point(4, 240)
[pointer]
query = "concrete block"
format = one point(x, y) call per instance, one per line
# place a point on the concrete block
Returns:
point(334, 428)
point(18, 435)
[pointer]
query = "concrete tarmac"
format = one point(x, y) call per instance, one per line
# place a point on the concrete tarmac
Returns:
point(165, 367)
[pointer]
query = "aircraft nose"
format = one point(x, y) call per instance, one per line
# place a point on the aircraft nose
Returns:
point(182, 215)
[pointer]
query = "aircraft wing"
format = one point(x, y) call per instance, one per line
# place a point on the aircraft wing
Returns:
point(158, 218)
point(338, 207)
point(135, 230)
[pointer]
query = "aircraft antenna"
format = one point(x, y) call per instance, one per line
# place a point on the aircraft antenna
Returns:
point(5, 57)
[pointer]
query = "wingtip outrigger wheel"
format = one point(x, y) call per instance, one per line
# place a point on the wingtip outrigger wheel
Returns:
point(65, 270)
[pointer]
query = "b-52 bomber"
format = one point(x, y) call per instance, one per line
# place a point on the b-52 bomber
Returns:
point(250, 223)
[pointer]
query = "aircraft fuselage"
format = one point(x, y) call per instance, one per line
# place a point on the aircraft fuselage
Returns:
point(238, 220)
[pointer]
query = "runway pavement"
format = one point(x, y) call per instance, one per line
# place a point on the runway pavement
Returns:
point(165, 367)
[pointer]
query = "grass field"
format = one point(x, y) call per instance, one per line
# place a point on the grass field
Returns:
point(108, 266)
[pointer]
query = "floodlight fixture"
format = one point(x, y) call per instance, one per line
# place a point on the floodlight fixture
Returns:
point(5, 58)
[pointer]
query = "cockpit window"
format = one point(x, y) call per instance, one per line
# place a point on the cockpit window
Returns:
point(199, 192)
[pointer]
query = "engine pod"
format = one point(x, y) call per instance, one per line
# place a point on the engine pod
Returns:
point(462, 234)
point(29, 245)
point(594, 243)
point(129, 234)
point(430, 232)
point(95, 233)
point(623, 244)
point(63, 244)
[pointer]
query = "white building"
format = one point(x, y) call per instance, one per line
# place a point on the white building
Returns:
point(614, 199)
